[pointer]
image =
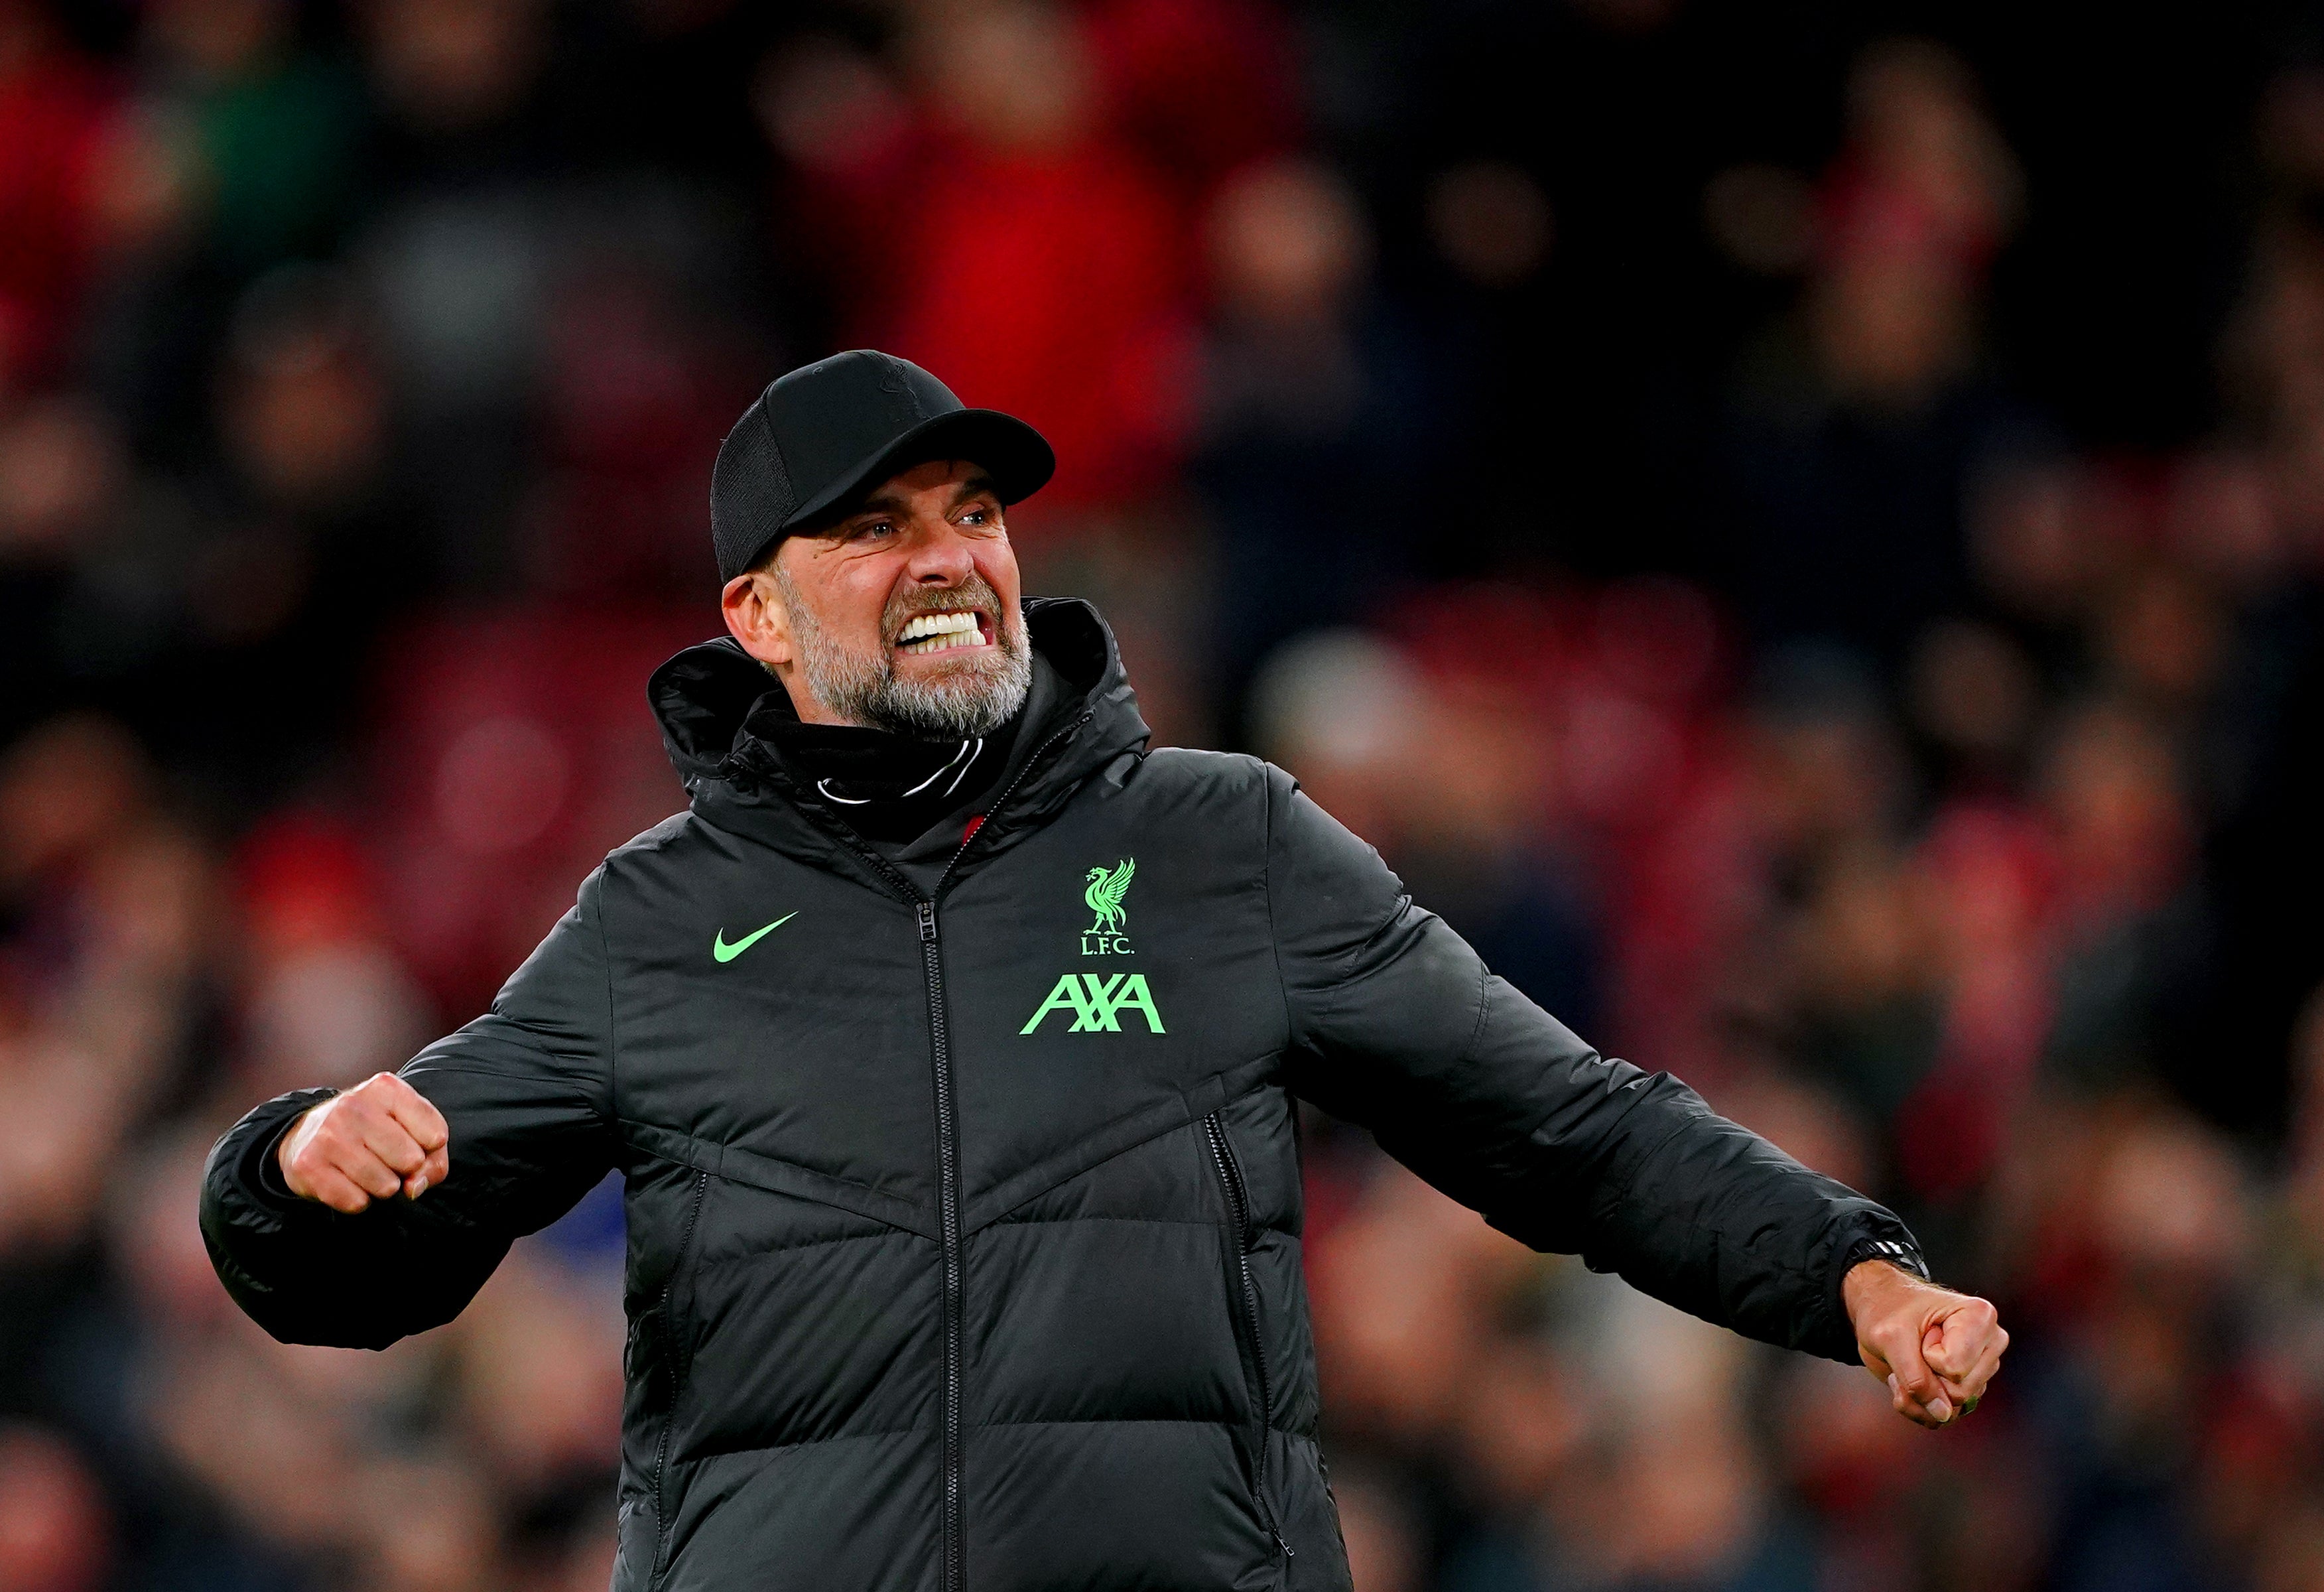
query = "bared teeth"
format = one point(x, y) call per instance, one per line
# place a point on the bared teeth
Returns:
point(937, 633)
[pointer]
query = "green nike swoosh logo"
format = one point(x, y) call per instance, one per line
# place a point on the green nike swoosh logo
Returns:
point(727, 953)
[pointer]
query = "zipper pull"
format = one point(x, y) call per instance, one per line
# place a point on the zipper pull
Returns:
point(928, 921)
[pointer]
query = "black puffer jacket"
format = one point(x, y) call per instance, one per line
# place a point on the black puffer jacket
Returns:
point(963, 1231)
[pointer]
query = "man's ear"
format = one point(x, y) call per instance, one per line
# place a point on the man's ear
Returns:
point(757, 617)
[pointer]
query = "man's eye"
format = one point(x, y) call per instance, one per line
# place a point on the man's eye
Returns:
point(874, 529)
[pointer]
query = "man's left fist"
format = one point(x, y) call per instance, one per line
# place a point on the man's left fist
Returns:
point(1936, 1349)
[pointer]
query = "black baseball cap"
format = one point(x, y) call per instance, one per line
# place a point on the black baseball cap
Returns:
point(827, 432)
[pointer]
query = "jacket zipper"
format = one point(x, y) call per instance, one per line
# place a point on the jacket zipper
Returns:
point(955, 1543)
point(1239, 1212)
point(955, 1565)
point(924, 908)
point(677, 1378)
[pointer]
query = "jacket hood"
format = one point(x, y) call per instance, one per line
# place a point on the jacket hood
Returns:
point(709, 698)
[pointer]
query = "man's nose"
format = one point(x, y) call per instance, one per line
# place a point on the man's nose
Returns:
point(940, 557)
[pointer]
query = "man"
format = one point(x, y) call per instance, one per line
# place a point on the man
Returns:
point(948, 1046)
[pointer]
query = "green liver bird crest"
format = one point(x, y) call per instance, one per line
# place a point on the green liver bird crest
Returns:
point(1106, 889)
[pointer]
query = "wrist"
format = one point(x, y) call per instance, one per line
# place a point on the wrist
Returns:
point(1871, 1267)
point(1869, 1283)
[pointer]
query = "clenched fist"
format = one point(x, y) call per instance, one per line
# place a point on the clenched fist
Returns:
point(379, 1139)
point(1936, 1349)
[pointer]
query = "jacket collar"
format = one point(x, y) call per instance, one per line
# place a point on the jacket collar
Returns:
point(707, 697)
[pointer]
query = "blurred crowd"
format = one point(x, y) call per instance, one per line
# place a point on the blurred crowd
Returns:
point(1620, 461)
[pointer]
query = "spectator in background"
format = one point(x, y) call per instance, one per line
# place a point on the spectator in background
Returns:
point(54, 1533)
point(1317, 416)
point(236, 152)
point(463, 90)
point(640, 380)
point(2118, 806)
point(59, 114)
point(270, 129)
point(1856, 430)
point(2267, 852)
point(294, 547)
point(70, 625)
point(1065, 295)
point(470, 138)
point(322, 992)
point(1196, 128)
point(109, 977)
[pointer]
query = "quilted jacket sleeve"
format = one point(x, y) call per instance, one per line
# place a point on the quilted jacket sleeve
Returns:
point(526, 1092)
point(1398, 1025)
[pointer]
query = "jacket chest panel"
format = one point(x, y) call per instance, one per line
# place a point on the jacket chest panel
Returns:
point(1112, 964)
point(780, 1011)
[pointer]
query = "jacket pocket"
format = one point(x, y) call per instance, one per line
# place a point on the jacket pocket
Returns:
point(673, 1358)
point(1242, 1308)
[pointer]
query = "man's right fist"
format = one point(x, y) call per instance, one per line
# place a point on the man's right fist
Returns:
point(379, 1139)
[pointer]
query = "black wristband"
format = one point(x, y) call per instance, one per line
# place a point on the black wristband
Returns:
point(1902, 1256)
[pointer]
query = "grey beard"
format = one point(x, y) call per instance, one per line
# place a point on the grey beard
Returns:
point(973, 699)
